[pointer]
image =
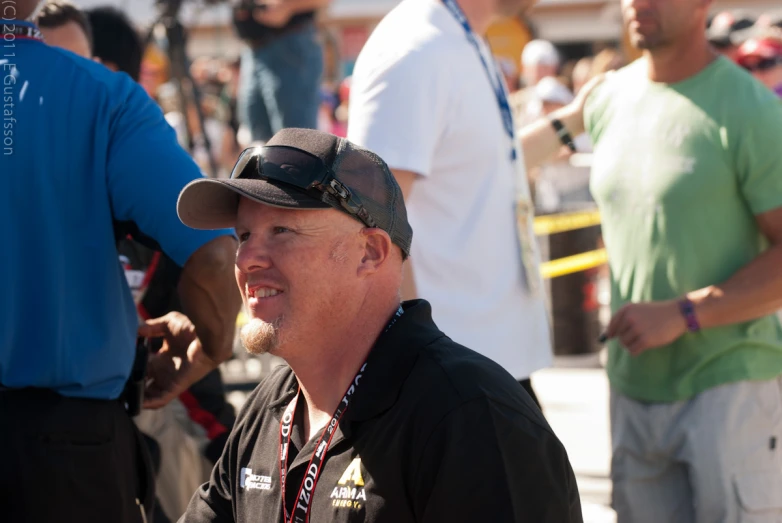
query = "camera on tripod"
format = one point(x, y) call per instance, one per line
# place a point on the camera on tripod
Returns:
point(175, 35)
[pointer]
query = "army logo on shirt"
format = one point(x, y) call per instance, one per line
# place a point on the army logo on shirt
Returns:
point(349, 492)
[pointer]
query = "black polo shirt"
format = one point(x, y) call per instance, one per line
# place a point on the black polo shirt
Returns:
point(434, 433)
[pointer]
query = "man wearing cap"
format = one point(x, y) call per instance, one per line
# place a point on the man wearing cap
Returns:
point(539, 59)
point(687, 173)
point(380, 417)
point(728, 30)
point(762, 56)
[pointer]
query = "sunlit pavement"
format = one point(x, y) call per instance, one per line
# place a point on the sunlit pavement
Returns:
point(574, 395)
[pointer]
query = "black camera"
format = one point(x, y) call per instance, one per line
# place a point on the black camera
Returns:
point(133, 395)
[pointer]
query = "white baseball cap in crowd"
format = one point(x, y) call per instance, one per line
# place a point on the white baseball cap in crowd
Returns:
point(539, 52)
point(551, 90)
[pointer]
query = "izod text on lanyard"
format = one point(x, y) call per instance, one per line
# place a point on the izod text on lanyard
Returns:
point(21, 30)
point(304, 497)
point(498, 84)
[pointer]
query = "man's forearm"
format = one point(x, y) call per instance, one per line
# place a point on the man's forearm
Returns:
point(210, 297)
point(753, 292)
point(539, 140)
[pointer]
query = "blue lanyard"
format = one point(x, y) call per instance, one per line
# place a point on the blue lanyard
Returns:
point(498, 85)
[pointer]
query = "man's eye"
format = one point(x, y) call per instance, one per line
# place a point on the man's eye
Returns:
point(244, 236)
point(280, 230)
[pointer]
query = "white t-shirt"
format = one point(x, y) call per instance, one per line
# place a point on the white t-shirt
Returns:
point(422, 100)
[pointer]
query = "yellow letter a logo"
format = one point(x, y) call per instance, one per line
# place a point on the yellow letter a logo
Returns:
point(352, 474)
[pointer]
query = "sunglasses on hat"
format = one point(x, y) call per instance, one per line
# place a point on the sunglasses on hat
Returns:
point(302, 170)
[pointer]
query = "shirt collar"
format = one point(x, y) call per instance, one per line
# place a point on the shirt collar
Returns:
point(391, 360)
point(23, 29)
point(388, 365)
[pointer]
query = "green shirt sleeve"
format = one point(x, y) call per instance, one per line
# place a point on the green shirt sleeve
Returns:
point(593, 109)
point(759, 156)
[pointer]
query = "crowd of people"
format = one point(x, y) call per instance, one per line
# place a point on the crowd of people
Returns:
point(381, 240)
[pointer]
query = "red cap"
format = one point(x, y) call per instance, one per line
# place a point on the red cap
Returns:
point(760, 48)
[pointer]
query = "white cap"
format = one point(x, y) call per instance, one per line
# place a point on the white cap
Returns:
point(552, 91)
point(539, 52)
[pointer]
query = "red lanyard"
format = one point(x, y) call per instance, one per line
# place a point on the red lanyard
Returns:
point(301, 512)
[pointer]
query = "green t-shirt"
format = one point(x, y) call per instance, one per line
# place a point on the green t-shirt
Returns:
point(680, 171)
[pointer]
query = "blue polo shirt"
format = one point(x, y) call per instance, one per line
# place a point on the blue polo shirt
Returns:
point(81, 146)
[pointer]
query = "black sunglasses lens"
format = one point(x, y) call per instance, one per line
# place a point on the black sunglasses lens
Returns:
point(300, 169)
point(292, 166)
point(247, 164)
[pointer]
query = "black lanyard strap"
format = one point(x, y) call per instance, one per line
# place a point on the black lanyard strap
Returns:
point(304, 497)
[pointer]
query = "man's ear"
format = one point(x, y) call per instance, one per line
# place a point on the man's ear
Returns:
point(377, 250)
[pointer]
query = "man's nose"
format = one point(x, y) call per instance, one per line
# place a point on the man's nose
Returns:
point(253, 255)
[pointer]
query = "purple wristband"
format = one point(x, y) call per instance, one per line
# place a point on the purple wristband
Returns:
point(687, 309)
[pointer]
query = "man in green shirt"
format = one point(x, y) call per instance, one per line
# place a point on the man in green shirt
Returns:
point(688, 175)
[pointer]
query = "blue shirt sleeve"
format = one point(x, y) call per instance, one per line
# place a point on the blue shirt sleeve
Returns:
point(146, 170)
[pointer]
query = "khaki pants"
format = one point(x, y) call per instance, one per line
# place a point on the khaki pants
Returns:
point(716, 458)
point(183, 468)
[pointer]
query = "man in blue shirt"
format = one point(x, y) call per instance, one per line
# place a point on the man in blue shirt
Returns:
point(84, 149)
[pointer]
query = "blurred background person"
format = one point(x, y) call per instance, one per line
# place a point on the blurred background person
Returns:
point(65, 25)
point(539, 59)
point(762, 56)
point(281, 67)
point(115, 41)
point(155, 69)
point(229, 79)
point(727, 32)
point(340, 127)
point(582, 73)
point(510, 73)
point(608, 59)
point(769, 20)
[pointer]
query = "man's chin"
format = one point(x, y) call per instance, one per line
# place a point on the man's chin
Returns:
point(260, 337)
point(645, 42)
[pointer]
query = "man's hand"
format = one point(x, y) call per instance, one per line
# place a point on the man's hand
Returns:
point(643, 326)
point(179, 363)
point(572, 115)
point(275, 13)
point(540, 142)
